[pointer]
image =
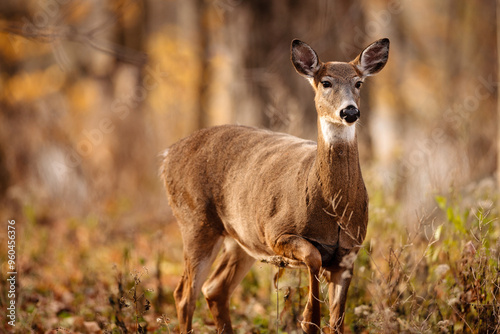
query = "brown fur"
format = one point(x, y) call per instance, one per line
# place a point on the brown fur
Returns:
point(271, 197)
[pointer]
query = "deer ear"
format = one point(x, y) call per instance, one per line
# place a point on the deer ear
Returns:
point(373, 58)
point(304, 59)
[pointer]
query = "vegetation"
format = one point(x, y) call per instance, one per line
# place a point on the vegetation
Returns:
point(92, 275)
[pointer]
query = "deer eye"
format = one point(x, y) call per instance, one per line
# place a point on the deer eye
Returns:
point(326, 84)
point(358, 84)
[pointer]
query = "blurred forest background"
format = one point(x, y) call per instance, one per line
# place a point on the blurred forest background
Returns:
point(91, 91)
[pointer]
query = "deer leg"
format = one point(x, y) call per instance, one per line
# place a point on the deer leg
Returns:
point(200, 249)
point(298, 248)
point(233, 266)
point(339, 281)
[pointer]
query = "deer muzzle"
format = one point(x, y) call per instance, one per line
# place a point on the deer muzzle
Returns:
point(350, 114)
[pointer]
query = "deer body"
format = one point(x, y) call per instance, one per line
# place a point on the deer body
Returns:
point(272, 197)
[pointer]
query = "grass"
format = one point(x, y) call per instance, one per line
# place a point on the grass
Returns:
point(436, 273)
point(442, 277)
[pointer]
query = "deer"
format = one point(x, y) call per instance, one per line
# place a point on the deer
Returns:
point(246, 194)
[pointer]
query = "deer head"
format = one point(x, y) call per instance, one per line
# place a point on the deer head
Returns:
point(337, 85)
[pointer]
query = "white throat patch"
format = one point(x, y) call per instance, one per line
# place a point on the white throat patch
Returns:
point(336, 133)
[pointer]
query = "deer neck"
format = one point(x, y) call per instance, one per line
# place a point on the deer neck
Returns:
point(337, 163)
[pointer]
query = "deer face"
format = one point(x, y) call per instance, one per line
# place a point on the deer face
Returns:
point(337, 85)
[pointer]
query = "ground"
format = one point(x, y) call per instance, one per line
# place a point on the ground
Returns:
point(115, 272)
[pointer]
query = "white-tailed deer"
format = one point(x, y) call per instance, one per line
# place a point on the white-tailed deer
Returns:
point(272, 197)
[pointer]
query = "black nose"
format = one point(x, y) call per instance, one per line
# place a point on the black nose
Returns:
point(350, 114)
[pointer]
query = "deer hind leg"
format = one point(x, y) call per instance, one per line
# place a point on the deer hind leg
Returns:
point(233, 266)
point(200, 249)
point(298, 248)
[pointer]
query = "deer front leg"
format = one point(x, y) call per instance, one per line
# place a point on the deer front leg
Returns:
point(339, 279)
point(297, 248)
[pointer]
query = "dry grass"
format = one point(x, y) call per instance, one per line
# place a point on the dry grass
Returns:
point(115, 273)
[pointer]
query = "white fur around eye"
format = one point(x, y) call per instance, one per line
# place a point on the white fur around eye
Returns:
point(337, 133)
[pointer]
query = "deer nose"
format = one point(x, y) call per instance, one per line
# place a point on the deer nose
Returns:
point(350, 114)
